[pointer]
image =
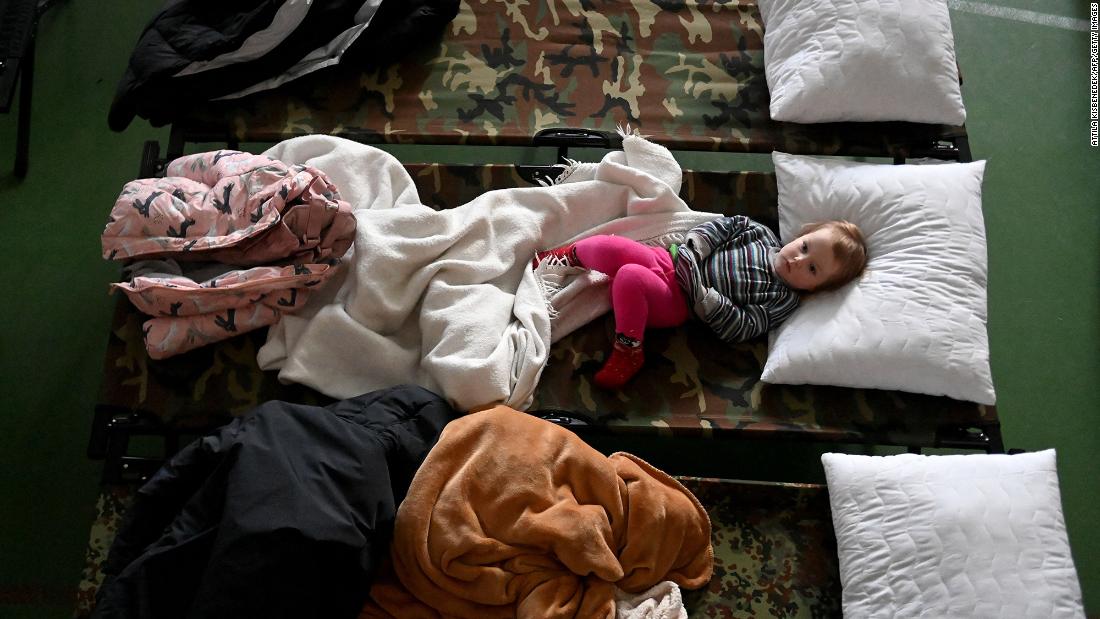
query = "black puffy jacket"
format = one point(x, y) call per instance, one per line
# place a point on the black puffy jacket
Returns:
point(284, 512)
point(186, 31)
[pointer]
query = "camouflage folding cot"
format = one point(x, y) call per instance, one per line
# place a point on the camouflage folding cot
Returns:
point(691, 385)
point(687, 73)
point(774, 550)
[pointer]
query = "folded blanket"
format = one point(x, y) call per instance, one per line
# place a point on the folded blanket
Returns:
point(512, 516)
point(447, 299)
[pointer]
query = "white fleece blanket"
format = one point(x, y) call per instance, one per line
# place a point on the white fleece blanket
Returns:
point(447, 299)
point(661, 601)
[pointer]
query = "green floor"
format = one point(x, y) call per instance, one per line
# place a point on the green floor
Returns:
point(1026, 93)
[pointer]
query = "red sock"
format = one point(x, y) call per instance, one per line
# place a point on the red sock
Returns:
point(565, 255)
point(621, 366)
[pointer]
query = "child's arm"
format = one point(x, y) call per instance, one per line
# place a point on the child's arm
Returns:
point(731, 322)
point(707, 238)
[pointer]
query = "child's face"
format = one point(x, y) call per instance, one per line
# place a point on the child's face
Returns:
point(808, 261)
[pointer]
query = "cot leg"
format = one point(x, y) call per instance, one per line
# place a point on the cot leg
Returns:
point(151, 163)
point(175, 143)
point(23, 130)
point(101, 432)
point(963, 144)
point(986, 437)
point(113, 468)
point(996, 443)
point(112, 429)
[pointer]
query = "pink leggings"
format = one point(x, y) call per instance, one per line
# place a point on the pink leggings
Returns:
point(644, 291)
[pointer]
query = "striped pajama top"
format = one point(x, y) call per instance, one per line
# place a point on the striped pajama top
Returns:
point(725, 269)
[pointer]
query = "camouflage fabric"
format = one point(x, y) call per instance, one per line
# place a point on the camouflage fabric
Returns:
point(774, 550)
point(112, 504)
point(688, 73)
point(694, 385)
point(195, 390)
point(691, 384)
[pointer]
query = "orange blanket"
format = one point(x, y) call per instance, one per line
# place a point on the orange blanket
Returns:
point(513, 516)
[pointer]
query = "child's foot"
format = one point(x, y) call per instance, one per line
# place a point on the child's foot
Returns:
point(565, 256)
point(622, 365)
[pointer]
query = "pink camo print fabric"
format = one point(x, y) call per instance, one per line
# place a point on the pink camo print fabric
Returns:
point(284, 225)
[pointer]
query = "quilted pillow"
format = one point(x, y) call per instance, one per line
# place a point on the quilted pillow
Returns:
point(861, 60)
point(916, 320)
point(951, 536)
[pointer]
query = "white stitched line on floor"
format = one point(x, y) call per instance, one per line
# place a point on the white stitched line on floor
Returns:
point(1020, 15)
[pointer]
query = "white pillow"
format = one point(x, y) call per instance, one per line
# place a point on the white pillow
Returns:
point(861, 60)
point(951, 536)
point(916, 320)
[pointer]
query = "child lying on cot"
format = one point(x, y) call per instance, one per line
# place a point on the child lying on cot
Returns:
point(732, 273)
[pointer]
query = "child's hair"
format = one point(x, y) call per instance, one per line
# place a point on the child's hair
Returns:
point(849, 248)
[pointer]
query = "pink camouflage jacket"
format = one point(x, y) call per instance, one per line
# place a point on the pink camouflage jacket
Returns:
point(282, 228)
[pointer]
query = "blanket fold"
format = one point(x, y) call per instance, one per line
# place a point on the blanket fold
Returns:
point(513, 516)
